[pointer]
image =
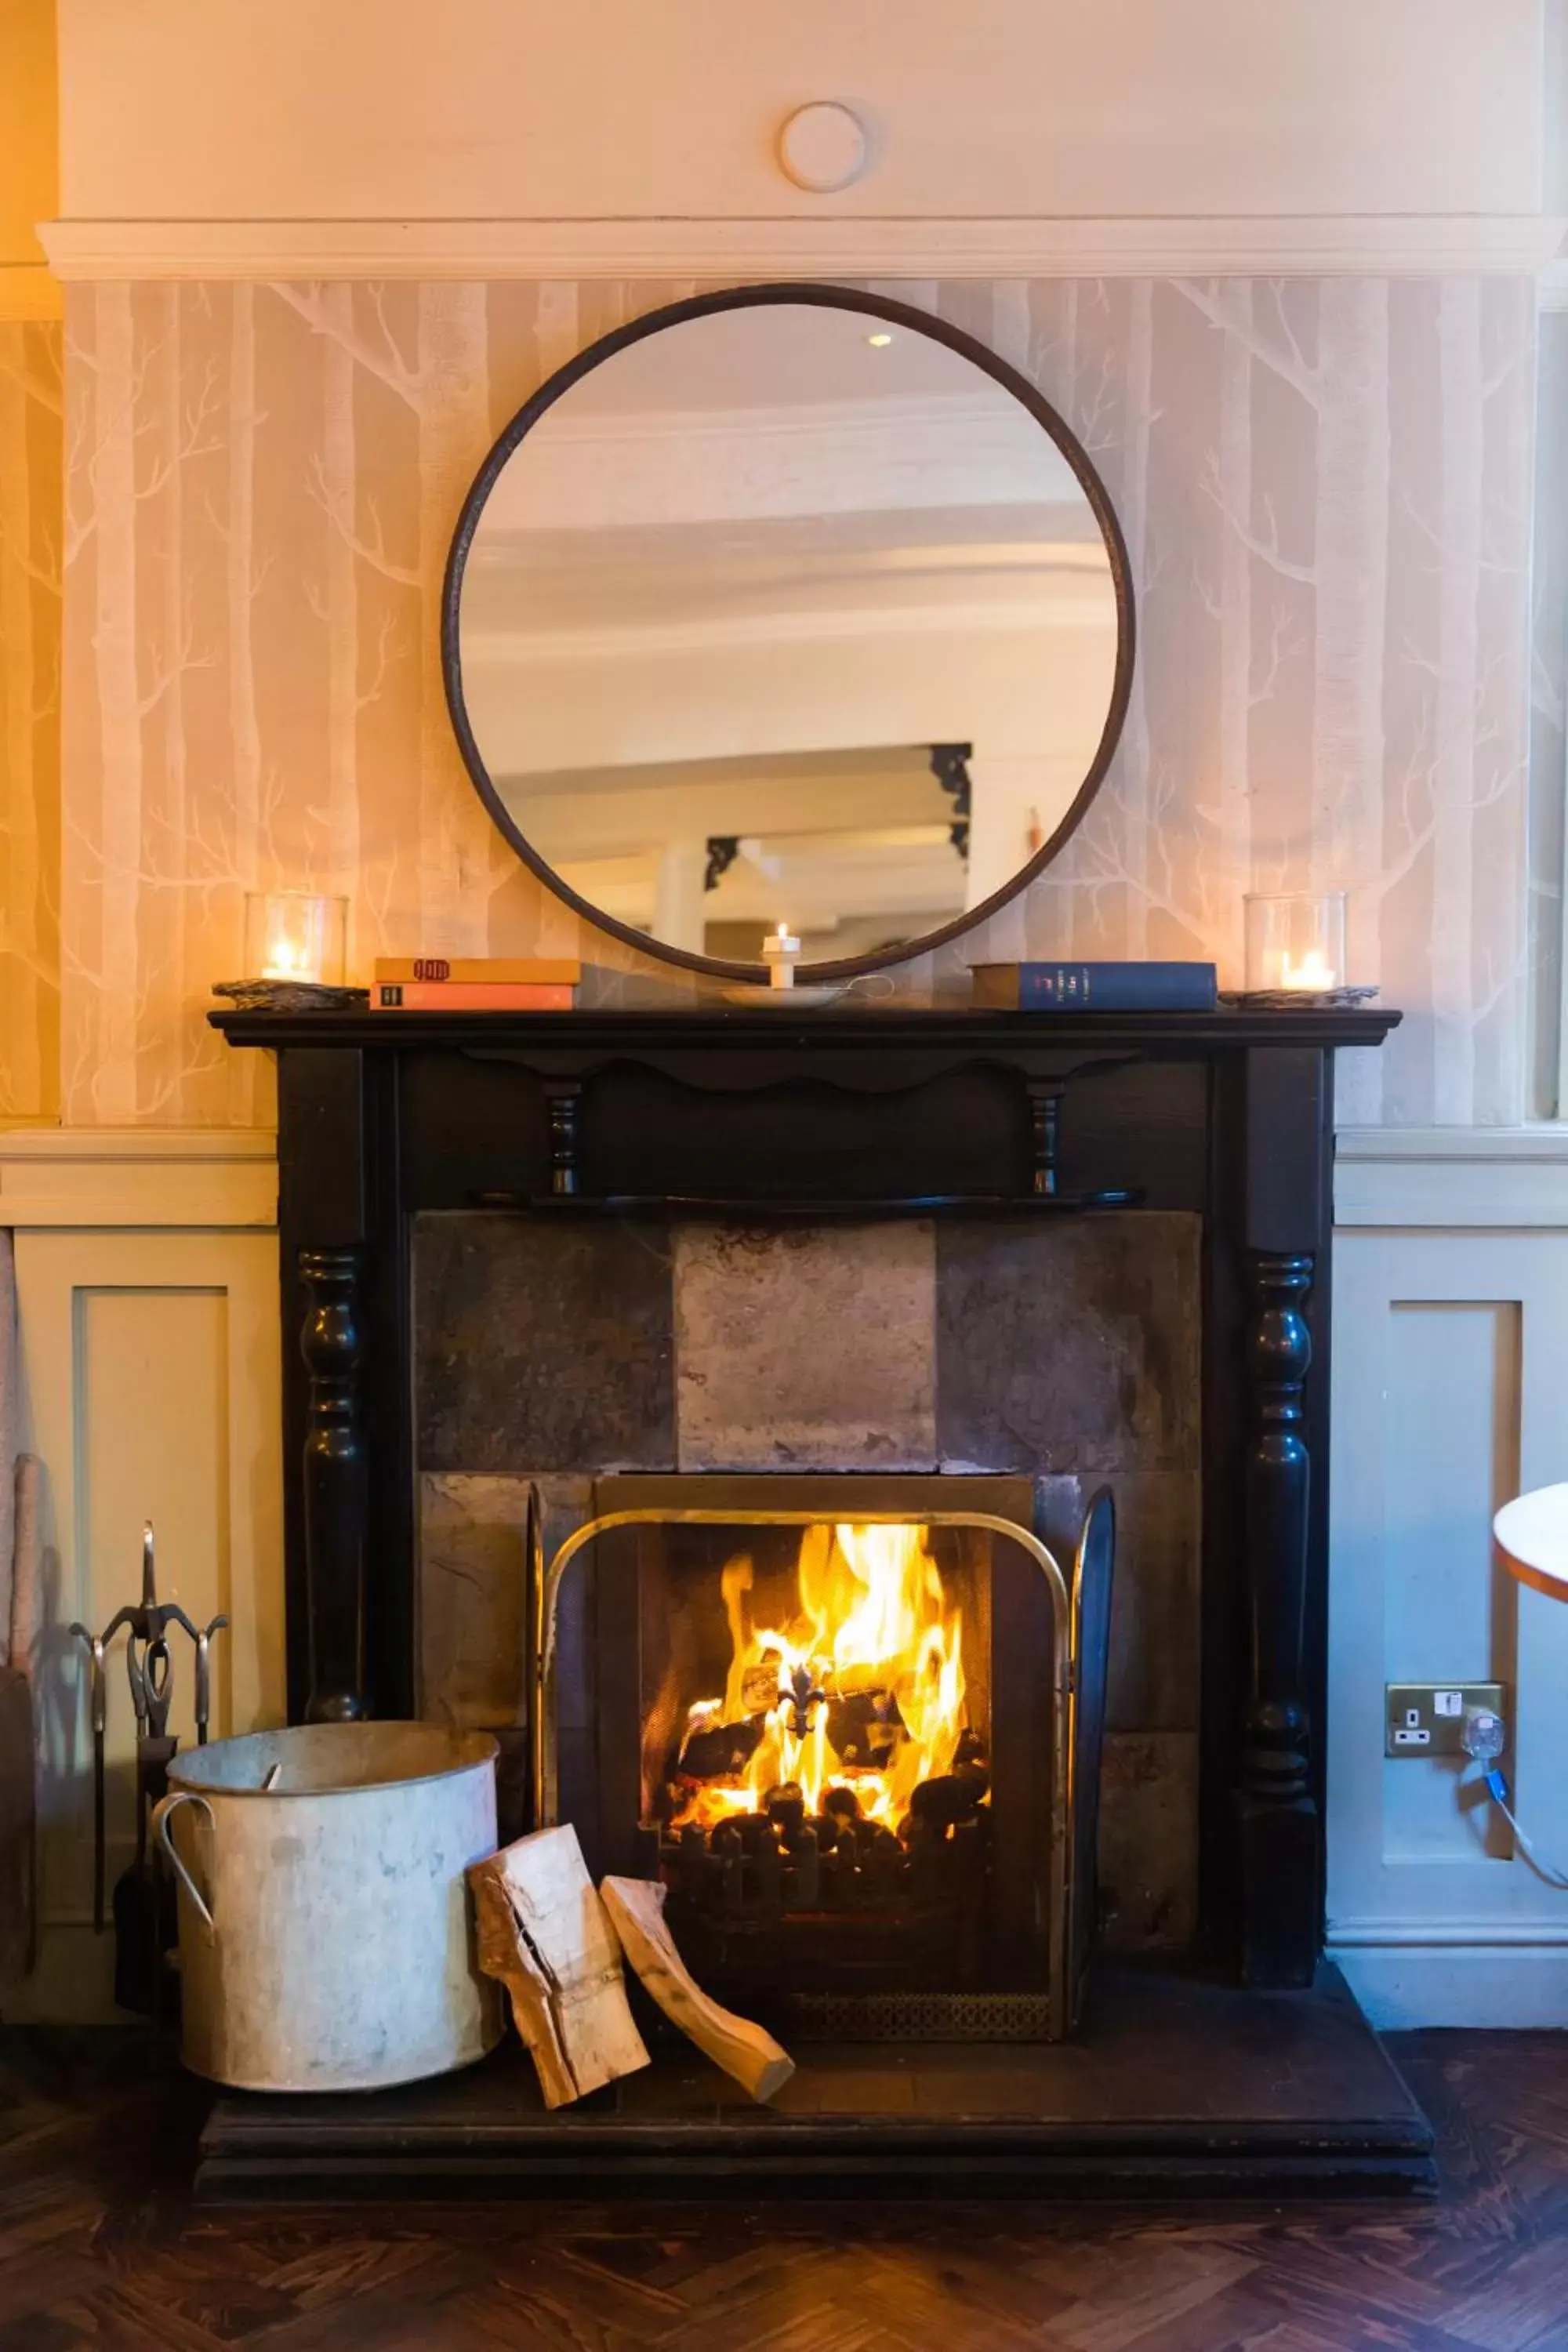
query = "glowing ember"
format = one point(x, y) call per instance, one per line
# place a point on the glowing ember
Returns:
point(862, 1690)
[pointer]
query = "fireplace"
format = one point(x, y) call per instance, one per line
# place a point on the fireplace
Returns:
point(853, 1724)
point(708, 1403)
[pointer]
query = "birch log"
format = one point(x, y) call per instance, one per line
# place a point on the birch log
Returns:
point(636, 1906)
point(546, 1934)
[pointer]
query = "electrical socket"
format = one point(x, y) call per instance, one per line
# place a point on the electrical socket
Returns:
point(1429, 1718)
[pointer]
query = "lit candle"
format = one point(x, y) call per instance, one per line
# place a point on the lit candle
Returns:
point(294, 935)
point(1314, 975)
point(780, 953)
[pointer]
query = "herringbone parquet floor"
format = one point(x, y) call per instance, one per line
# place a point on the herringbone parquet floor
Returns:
point(97, 2247)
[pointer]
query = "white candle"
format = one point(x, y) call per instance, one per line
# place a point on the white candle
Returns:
point(781, 951)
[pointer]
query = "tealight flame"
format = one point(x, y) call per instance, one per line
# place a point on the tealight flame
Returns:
point(1313, 974)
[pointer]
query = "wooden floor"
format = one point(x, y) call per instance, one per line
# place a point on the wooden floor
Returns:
point(99, 2247)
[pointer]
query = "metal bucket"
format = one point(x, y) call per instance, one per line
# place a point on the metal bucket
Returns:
point(325, 1938)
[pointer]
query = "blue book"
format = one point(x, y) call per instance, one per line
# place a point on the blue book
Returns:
point(1096, 987)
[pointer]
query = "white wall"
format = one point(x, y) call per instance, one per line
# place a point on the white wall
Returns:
point(1450, 1320)
point(524, 108)
point(226, 122)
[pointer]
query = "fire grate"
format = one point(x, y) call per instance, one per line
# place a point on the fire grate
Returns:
point(920, 2017)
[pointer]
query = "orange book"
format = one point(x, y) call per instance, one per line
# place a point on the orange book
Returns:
point(470, 996)
point(486, 971)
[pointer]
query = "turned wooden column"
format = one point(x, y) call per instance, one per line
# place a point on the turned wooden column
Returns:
point(1282, 1891)
point(1279, 1826)
point(335, 1484)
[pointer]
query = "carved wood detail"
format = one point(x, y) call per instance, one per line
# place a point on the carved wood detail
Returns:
point(336, 1484)
point(1280, 1833)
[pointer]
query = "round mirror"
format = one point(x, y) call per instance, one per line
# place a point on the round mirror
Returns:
point(789, 605)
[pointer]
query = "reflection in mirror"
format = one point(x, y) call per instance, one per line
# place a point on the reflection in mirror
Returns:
point(787, 612)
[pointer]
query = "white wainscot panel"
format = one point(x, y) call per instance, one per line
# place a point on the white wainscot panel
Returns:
point(151, 1379)
point(1450, 1372)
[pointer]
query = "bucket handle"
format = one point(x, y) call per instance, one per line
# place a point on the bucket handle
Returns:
point(161, 1813)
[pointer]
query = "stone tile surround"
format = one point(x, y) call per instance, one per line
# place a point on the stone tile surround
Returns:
point(1069, 1351)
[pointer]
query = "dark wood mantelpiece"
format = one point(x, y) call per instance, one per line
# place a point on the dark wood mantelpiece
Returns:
point(938, 1028)
point(1229, 1114)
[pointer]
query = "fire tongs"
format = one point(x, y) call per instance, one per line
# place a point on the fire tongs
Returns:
point(147, 1666)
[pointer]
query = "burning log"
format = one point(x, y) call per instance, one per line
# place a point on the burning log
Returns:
point(864, 1729)
point(950, 1798)
point(546, 1934)
point(711, 1751)
point(760, 1685)
point(784, 1805)
point(744, 2050)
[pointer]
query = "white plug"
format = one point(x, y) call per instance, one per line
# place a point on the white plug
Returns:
point(1484, 1735)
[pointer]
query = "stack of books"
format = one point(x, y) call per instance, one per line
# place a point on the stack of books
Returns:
point(475, 984)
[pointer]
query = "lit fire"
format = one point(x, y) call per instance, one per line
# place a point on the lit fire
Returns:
point(862, 1690)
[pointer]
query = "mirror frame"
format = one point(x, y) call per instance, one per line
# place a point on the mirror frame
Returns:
point(823, 296)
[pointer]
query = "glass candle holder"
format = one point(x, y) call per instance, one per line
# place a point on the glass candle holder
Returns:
point(295, 935)
point(1295, 942)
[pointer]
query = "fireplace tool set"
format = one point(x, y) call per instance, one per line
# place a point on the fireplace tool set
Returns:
point(143, 1926)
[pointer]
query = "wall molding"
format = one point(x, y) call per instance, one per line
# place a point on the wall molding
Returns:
point(138, 1177)
point(1493, 1982)
point(1461, 1177)
point(864, 245)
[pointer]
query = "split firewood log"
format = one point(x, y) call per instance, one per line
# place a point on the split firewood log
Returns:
point(636, 1906)
point(546, 1934)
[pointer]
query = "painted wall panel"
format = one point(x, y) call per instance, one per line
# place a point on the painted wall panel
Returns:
point(151, 1378)
point(1451, 1362)
point(1452, 1460)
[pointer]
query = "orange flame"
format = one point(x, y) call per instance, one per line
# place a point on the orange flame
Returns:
point(873, 1626)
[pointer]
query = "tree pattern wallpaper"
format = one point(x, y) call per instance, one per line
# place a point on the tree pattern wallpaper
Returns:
point(1325, 488)
point(31, 551)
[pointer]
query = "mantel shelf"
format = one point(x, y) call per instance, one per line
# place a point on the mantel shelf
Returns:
point(617, 1028)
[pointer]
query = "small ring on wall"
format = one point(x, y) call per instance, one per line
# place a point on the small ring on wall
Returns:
point(822, 147)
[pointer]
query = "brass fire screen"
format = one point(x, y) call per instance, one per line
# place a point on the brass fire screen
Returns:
point(1078, 1611)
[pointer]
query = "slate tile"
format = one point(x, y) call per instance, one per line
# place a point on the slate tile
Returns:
point(1153, 1679)
point(1148, 1839)
point(1072, 1346)
point(805, 1350)
point(543, 1340)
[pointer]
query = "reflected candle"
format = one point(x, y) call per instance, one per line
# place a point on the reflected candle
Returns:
point(781, 950)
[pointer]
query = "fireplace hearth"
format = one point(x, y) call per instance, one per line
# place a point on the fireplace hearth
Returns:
point(715, 1406)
